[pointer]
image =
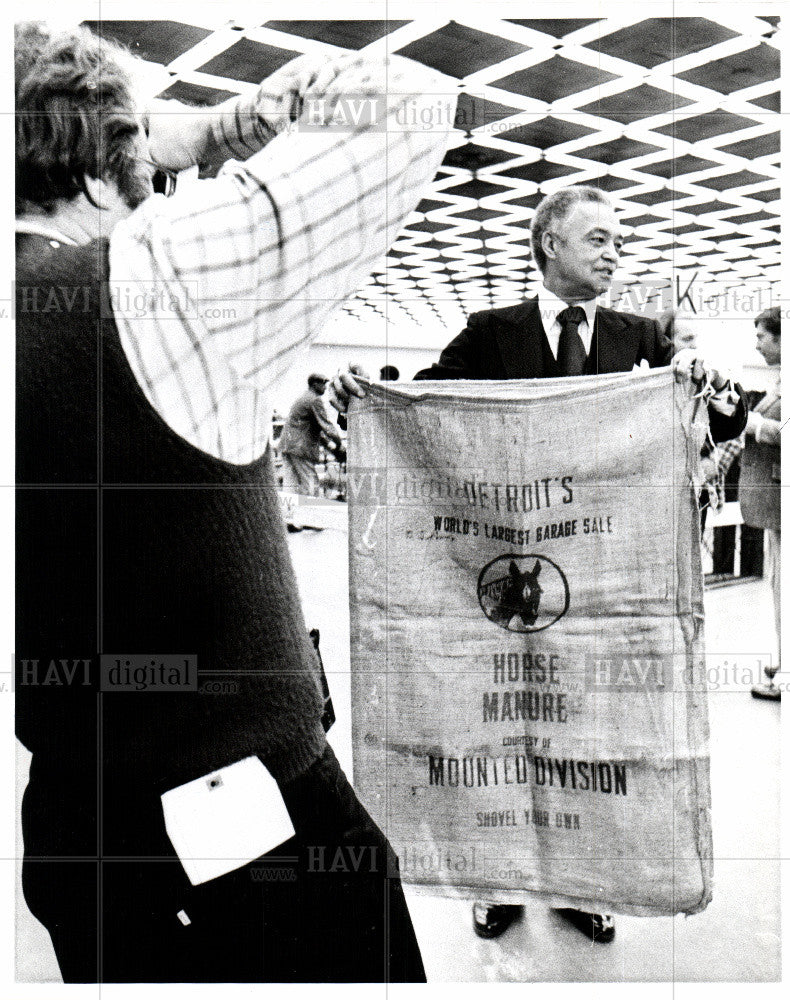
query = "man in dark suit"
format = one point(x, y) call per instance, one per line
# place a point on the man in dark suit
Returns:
point(576, 242)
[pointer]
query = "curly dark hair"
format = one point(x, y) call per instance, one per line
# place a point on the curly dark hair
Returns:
point(75, 117)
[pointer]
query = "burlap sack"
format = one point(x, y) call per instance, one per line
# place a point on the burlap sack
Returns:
point(529, 706)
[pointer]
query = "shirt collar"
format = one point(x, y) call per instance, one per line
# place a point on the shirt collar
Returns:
point(551, 306)
point(35, 228)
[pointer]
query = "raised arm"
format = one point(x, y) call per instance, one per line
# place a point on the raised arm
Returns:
point(181, 136)
point(268, 249)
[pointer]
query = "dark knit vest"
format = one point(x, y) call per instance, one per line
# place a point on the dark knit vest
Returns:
point(131, 541)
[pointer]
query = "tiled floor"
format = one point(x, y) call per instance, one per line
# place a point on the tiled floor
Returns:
point(735, 939)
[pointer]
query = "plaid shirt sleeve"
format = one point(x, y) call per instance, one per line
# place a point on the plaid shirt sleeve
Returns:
point(726, 453)
point(215, 289)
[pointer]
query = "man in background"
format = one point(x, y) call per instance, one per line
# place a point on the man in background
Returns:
point(759, 489)
point(305, 430)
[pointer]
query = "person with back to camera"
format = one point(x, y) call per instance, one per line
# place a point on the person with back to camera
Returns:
point(148, 524)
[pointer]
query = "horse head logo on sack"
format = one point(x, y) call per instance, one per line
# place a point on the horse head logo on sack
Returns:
point(523, 593)
point(520, 595)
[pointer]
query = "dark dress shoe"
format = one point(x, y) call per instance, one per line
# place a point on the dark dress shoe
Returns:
point(597, 926)
point(768, 691)
point(492, 919)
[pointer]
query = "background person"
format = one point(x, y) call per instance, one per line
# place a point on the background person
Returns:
point(680, 329)
point(306, 428)
point(761, 472)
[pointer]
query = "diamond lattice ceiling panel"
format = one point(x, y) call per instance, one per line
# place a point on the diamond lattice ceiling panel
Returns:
point(674, 118)
point(752, 217)
point(527, 201)
point(649, 197)
point(473, 156)
point(771, 102)
point(458, 50)
point(678, 165)
point(478, 214)
point(479, 112)
point(475, 189)
point(344, 34)
point(635, 221)
point(728, 182)
point(195, 93)
point(736, 72)
point(609, 182)
point(559, 28)
point(544, 133)
point(616, 150)
point(629, 106)
point(554, 79)
point(757, 146)
point(771, 195)
point(656, 40)
point(539, 171)
point(246, 59)
point(708, 207)
point(699, 127)
point(154, 41)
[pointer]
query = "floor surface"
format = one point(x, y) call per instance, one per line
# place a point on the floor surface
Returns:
point(737, 939)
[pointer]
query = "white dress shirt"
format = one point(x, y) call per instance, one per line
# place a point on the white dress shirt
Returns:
point(550, 307)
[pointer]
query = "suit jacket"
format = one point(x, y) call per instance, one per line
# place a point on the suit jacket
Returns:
point(759, 487)
point(306, 422)
point(510, 343)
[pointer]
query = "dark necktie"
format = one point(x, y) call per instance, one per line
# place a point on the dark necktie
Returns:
point(571, 355)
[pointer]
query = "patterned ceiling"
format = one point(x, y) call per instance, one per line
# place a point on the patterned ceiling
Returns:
point(678, 118)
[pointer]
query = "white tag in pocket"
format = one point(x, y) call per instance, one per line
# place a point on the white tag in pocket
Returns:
point(226, 819)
